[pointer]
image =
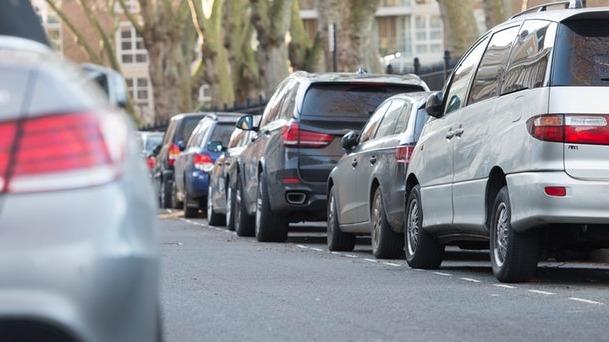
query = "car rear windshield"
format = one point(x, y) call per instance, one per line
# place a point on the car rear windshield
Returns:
point(349, 100)
point(185, 129)
point(222, 132)
point(581, 55)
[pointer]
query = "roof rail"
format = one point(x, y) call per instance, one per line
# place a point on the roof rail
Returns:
point(544, 7)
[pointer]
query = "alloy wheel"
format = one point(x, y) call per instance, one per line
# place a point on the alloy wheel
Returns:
point(412, 229)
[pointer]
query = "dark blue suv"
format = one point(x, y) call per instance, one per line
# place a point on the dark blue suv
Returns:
point(193, 165)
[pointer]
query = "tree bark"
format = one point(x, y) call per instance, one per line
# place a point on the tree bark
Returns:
point(496, 12)
point(460, 29)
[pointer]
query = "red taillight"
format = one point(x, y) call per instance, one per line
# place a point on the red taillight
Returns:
point(557, 191)
point(202, 161)
point(150, 161)
point(60, 152)
point(571, 128)
point(290, 180)
point(403, 153)
point(173, 152)
point(292, 135)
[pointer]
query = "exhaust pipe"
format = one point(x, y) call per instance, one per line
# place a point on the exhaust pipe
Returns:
point(297, 198)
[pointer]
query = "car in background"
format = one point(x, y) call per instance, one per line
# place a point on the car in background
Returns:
point(79, 253)
point(515, 153)
point(194, 164)
point(221, 194)
point(283, 172)
point(148, 142)
point(178, 131)
point(366, 187)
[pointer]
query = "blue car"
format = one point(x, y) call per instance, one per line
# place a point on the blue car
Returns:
point(194, 164)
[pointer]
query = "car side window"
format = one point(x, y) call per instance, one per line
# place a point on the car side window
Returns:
point(170, 132)
point(492, 66)
point(287, 106)
point(528, 67)
point(198, 133)
point(388, 122)
point(372, 124)
point(272, 108)
point(403, 118)
point(457, 90)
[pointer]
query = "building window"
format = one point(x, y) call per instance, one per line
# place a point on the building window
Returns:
point(310, 26)
point(306, 4)
point(131, 46)
point(427, 35)
point(139, 89)
point(205, 96)
point(132, 5)
point(387, 33)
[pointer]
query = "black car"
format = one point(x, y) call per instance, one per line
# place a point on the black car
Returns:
point(177, 134)
point(282, 173)
point(366, 188)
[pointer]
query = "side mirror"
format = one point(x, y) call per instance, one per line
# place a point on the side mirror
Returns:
point(110, 81)
point(349, 141)
point(181, 145)
point(215, 146)
point(246, 123)
point(433, 106)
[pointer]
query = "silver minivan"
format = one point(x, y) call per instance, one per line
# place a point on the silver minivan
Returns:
point(515, 151)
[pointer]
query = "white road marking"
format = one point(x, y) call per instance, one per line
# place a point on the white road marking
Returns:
point(443, 274)
point(585, 300)
point(392, 264)
point(371, 260)
point(505, 286)
point(302, 246)
point(317, 249)
point(351, 256)
point(470, 280)
point(542, 292)
point(336, 253)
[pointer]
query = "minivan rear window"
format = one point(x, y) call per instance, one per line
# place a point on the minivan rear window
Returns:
point(581, 54)
point(349, 100)
point(185, 129)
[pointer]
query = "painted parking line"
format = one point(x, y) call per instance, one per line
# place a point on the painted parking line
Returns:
point(471, 280)
point(585, 301)
point(302, 246)
point(317, 249)
point(443, 274)
point(371, 260)
point(505, 286)
point(350, 256)
point(391, 264)
point(542, 292)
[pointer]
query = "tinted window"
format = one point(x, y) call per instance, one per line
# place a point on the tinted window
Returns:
point(271, 109)
point(222, 132)
point(349, 99)
point(152, 141)
point(186, 127)
point(530, 56)
point(461, 78)
point(372, 124)
point(402, 122)
point(420, 122)
point(390, 118)
point(199, 133)
point(492, 66)
point(581, 54)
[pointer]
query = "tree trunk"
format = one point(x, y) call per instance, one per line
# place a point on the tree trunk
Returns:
point(460, 29)
point(496, 12)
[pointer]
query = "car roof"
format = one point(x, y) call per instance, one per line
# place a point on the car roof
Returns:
point(558, 15)
point(338, 77)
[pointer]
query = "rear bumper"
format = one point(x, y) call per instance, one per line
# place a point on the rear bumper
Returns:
point(303, 201)
point(585, 202)
point(197, 184)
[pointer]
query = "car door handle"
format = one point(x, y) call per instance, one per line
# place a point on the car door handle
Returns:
point(354, 163)
point(450, 134)
point(373, 160)
point(458, 132)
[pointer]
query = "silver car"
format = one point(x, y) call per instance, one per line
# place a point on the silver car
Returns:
point(79, 250)
point(516, 151)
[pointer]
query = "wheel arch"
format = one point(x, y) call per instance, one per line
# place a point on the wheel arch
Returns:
point(496, 181)
point(373, 187)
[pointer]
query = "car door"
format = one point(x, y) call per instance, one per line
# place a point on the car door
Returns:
point(437, 144)
point(472, 160)
point(184, 164)
point(346, 186)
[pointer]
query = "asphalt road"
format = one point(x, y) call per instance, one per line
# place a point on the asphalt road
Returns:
point(220, 287)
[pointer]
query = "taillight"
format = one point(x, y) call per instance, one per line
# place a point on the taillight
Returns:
point(150, 161)
point(403, 153)
point(292, 135)
point(202, 162)
point(174, 150)
point(61, 152)
point(571, 128)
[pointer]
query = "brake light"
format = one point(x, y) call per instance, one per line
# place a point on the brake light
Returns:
point(403, 153)
point(172, 154)
point(292, 135)
point(61, 152)
point(150, 161)
point(571, 128)
point(202, 162)
point(557, 191)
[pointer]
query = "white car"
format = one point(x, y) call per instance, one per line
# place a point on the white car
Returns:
point(516, 150)
point(79, 246)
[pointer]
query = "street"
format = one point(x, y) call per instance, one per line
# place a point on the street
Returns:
point(220, 287)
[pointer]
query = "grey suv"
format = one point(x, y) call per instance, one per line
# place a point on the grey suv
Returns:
point(516, 151)
point(282, 173)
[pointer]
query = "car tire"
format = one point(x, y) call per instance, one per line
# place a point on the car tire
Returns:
point(189, 210)
point(514, 255)
point(386, 244)
point(230, 208)
point(175, 203)
point(160, 332)
point(213, 218)
point(270, 226)
point(244, 223)
point(337, 240)
point(423, 250)
point(165, 194)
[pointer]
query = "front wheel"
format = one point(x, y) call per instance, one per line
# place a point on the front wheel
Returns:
point(514, 255)
point(165, 194)
point(244, 223)
point(213, 218)
point(230, 208)
point(270, 226)
point(423, 250)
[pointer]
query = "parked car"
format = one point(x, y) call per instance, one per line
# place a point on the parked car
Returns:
point(282, 174)
point(221, 194)
point(178, 131)
point(366, 187)
point(148, 141)
point(516, 150)
point(193, 166)
point(79, 253)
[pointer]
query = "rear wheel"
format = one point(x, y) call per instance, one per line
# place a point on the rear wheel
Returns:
point(213, 218)
point(230, 207)
point(244, 223)
point(514, 255)
point(190, 211)
point(165, 194)
point(270, 226)
point(386, 244)
point(175, 203)
point(423, 250)
point(337, 240)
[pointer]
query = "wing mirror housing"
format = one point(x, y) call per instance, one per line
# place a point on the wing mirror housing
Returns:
point(215, 146)
point(349, 141)
point(246, 123)
point(434, 105)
